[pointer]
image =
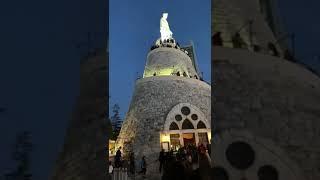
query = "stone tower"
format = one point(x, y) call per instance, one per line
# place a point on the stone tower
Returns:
point(84, 154)
point(266, 108)
point(251, 19)
point(170, 106)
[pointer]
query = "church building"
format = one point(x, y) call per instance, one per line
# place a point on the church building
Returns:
point(171, 104)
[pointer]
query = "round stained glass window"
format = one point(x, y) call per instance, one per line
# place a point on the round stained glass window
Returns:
point(194, 117)
point(185, 110)
point(240, 155)
point(178, 117)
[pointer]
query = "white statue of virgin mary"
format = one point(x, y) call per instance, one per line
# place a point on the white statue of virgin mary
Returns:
point(164, 27)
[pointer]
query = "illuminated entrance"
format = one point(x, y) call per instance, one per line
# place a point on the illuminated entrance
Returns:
point(188, 139)
point(185, 125)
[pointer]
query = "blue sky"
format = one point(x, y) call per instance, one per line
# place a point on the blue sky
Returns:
point(134, 27)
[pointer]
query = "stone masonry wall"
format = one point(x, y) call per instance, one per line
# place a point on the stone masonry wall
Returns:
point(84, 153)
point(229, 16)
point(152, 100)
point(271, 98)
point(168, 58)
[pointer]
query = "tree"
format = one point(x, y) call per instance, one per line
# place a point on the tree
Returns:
point(115, 121)
point(21, 154)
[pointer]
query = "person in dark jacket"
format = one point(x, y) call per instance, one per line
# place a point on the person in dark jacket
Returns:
point(237, 41)
point(117, 161)
point(143, 165)
point(204, 163)
point(174, 170)
point(187, 163)
point(196, 175)
point(217, 40)
point(273, 50)
point(132, 164)
point(161, 159)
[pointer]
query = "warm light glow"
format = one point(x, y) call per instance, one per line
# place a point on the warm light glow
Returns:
point(165, 138)
point(165, 72)
point(209, 136)
point(112, 147)
point(162, 72)
point(169, 71)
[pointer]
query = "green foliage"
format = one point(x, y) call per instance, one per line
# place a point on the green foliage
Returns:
point(114, 135)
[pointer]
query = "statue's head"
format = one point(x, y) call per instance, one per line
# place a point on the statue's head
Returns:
point(165, 15)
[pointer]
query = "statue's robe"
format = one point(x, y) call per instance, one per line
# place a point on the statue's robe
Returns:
point(165, 29)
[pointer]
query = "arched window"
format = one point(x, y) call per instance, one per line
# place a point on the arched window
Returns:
point(201, 125)
point(240, 155)
point(173, 126)
point(187, 124)
point(184, 74)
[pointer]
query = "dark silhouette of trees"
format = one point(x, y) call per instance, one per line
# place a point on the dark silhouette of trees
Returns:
point(115, 120)
point(21, 154)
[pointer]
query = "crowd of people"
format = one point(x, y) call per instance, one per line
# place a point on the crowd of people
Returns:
point(129, 164)
point(238, 42)
point(187, 163)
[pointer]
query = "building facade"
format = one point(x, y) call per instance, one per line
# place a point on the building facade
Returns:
point(170, 107)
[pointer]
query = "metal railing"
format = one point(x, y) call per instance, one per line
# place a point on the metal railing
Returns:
point(120, 174)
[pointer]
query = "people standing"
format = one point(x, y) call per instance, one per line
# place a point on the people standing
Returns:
point(204, 163)
point(132, 164)
point(118, 158)
point(272, 49)
point(187, 163)
point(209, 149)
point(143, 165)
point(161, 159)
point(217, 39)
point(237, 41)
point(110, 168)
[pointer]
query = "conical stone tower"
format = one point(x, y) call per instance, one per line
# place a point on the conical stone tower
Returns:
point(84, 153)
point(266, 108)
point(170, 106)
point(248, 18)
